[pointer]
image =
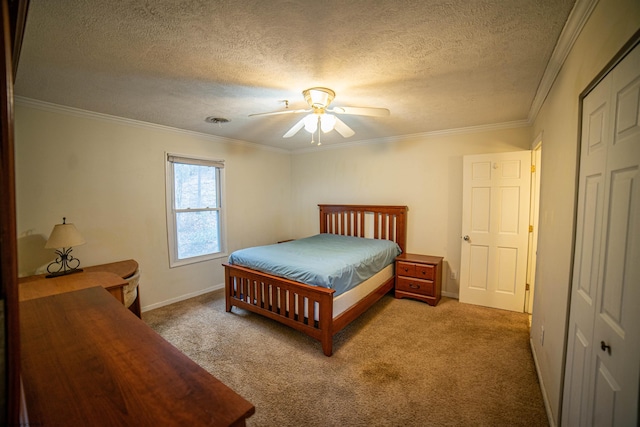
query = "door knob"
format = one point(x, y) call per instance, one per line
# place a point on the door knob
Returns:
point(605, 347)
point(466, 238)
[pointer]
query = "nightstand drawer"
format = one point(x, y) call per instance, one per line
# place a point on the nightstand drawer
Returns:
point(406, 269)
point(421, 271)
point(418, 286)
point(427, 272)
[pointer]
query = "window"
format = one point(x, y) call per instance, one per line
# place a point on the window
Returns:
point(194, 214)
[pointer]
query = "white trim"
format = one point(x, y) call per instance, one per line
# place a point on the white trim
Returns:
point(543, 389)
point(195, 160)
point(172, 247)
point(537, 141)
point(572, 28)
point(575, 22)
point(182, 297)
point(450, 295)
point(56, 108)
point(400, 138)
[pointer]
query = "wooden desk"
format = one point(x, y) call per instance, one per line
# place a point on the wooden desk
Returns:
point(124, 269)
point(42, 287)
point(110, 276)
point(87, 360)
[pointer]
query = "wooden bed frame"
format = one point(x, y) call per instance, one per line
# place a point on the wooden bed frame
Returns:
point(255, 291)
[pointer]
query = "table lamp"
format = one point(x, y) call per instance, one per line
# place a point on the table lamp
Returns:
point(62, 238)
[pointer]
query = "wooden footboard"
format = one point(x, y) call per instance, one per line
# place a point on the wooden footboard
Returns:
point(309, 309)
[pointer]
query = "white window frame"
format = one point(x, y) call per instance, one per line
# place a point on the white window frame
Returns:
point(170, 159)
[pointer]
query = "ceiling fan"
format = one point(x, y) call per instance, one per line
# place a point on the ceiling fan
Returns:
point(319, 99)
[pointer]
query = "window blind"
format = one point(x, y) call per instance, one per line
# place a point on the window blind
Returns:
point(173, 158)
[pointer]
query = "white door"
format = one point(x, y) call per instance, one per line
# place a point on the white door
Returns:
point(495, 229)
point(602, 374)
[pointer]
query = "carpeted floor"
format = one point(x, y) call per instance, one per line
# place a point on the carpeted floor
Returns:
point(402, 363)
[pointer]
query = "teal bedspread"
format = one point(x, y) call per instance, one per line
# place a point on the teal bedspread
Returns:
point(328, 260)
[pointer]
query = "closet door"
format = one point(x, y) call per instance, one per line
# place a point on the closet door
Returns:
point(603, 359)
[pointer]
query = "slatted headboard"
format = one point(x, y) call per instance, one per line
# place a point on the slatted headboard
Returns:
point(373, 221)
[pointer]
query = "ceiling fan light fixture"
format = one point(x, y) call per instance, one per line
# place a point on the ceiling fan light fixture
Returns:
point(319, 97)
point(311, 123)
point(327, 122)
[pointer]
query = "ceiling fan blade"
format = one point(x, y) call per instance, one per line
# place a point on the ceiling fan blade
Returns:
point(342, 128)
point(273, 113)
point(294, 129)
point(362, 111)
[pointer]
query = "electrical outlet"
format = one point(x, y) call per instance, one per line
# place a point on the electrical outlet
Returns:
point(453, 275)
point(542, 335)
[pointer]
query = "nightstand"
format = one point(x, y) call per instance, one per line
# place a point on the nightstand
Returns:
point(419, 277)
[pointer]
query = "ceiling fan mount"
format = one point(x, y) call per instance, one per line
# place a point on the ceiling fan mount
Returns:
point(319, 99)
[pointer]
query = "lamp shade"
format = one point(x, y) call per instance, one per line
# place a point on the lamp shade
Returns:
point(64, 236)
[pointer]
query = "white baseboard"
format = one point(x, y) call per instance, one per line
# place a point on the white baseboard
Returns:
point(545, 397)
point(450, 295)
point(182, 297)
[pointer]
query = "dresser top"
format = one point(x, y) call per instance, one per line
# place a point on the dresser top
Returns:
point(426, 259)
point(87, 360)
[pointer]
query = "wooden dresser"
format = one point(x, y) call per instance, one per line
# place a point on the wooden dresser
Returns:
point(88, 361)
point(419, 277)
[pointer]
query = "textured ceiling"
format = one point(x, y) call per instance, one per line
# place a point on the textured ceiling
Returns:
point(435, 64)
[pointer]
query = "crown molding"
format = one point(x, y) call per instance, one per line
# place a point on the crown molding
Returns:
point(423, 135)
point(57, 108)
point(575, 22)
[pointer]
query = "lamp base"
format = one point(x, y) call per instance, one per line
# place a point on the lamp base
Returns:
point(63, 273)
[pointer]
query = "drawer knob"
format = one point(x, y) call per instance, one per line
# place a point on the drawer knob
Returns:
point(412, 286)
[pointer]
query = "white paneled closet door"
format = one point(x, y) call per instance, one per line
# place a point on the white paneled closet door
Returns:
point(602, 376)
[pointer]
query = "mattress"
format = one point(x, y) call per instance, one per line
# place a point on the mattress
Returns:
point(328, 260)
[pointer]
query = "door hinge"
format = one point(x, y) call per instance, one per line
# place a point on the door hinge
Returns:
point(533, 168)
point(528, 287)
point(531, 229)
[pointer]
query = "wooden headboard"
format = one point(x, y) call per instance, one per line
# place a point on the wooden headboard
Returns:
point(388, 222)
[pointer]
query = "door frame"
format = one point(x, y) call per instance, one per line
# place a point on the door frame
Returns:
point(13, 15)
point(534, 210)
point(617, 58)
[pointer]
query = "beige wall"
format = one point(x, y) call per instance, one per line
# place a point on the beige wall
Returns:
point(108, 178)
point(611, 24)
point(423, 173)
